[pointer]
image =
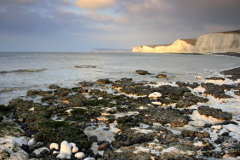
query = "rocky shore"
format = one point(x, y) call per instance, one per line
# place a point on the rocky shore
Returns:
point(124, 120)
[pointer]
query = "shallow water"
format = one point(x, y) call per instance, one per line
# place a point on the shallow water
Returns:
point(22, 71)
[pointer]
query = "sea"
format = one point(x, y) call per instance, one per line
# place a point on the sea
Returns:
point(20, 72)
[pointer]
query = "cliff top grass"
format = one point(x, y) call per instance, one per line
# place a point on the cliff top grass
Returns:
point(234, 31)
point(190, 41)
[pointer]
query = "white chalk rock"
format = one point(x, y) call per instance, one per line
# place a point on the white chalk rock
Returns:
point(54, 146)
point(74, 149)
point(39, 150)
point(80, 155)
point(54, 152)
point(65, 148)
point(21, 140)
point(218, 127)
point(100, 98)
point(72, 144)
point(63, 156)
point(89, 158)
point(157, 103)
point(32, 142)
point(197, 123)
point(155, 95)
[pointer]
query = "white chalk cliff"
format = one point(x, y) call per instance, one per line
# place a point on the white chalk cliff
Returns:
point(209, 43)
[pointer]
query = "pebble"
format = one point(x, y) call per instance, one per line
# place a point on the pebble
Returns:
point(32, 141)
point(80, 155)
point(65, 148)
point(54, 146)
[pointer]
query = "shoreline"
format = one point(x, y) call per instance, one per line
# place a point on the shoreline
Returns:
point(182, 121)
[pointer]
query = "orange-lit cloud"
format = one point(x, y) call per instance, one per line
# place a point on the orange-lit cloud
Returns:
point(94, 4)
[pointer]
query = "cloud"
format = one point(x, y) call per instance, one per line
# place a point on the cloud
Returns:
point(94, 4)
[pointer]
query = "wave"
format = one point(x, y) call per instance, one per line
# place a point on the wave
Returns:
point(8, 90)
point(86, 66)
point(23, 70)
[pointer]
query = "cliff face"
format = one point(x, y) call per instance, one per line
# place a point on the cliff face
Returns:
point(218, 43)
point(209, 43)
point(179, 46)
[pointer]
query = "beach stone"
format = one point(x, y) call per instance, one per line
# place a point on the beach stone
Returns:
point(89, 158)
point(157, 103)
point(65, 149)
point(74, 147)
point(103, 146)
point(142, 72)
point(63, 156)
point(218, 127)
point(79, 155)
point(103, 81)
point(1, 119)
point(85, 84)
point(161, 76)
point(32, 141)
point(53, 86)
point(54, 146)
point(38, 151)
point(154, 95)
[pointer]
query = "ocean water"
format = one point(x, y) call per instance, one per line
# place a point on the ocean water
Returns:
point(20, 72)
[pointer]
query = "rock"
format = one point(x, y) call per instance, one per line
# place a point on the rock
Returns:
point(65, 149)
point(190, 133)
point(25, 147)
point(218, 127)
point(44, 152)
point(197, 123)
point(32, 141)
point(142, 72)
point(103, 146)
point(103, 81)
point(89, 158)
point(79, 155)
point(63, 156)
point(216, 113)
point(93, 138)
point(10, 150)
point(54, 146)
point(85, 84)
point(74, 147)
point(157, 103)
point(21, 140)
point(1, 119)
point(216, 78)
point(53, 86)
point(218, 91)
point(155, 95)
point(161, 76)
point(38, 151)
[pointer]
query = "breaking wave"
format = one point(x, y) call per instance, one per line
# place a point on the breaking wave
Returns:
point(23, 70)
point(86, 66)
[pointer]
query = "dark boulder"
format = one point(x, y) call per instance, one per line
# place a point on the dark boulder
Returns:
point(216, 113)
point(161, 76)
point(142, 72)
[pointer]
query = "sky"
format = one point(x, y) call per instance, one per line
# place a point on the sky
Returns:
point(82, 25)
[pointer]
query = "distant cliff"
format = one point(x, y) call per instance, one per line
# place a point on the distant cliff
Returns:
point(209, 43)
